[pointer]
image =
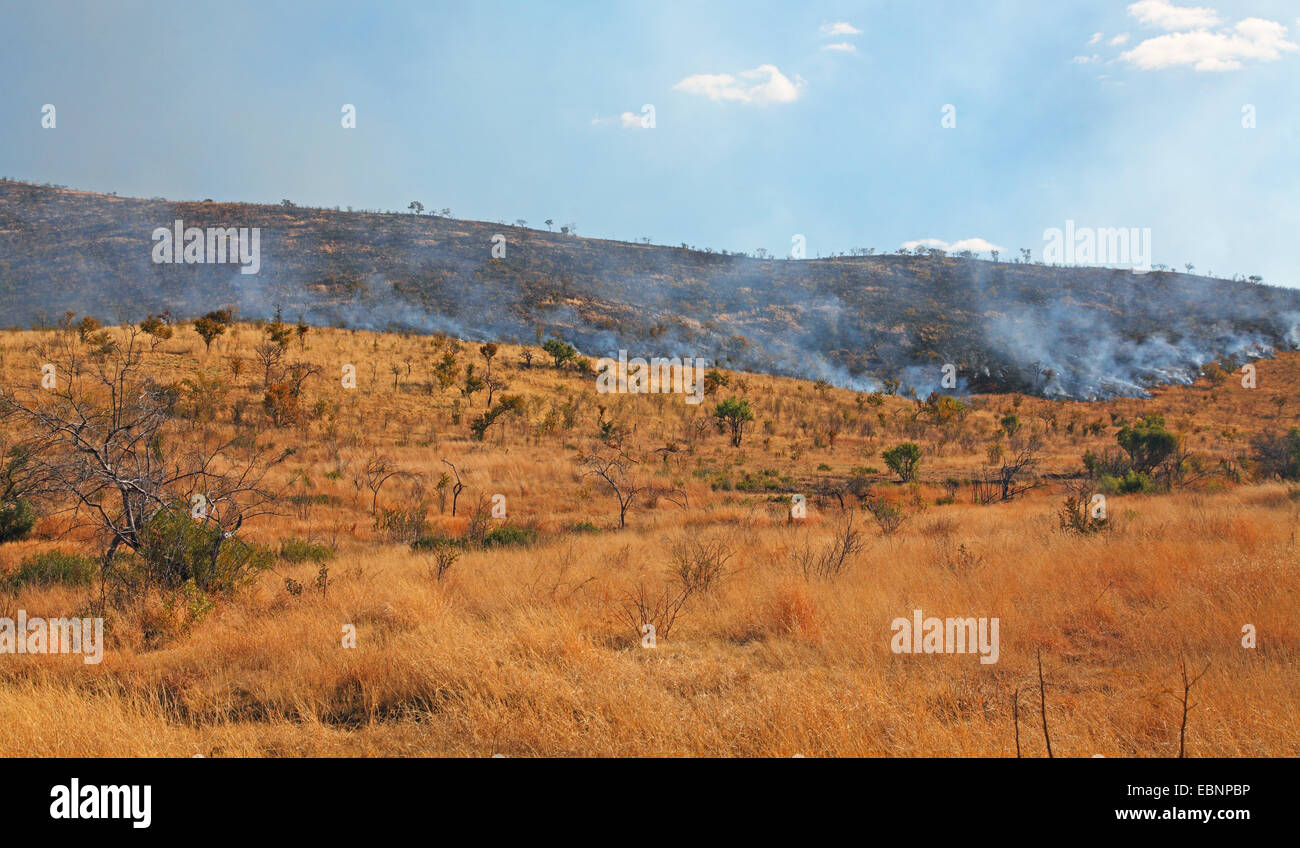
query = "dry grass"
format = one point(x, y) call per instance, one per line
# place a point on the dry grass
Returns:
point(523, 651)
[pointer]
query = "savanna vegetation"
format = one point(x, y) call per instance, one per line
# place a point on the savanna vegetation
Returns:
point(325, 541)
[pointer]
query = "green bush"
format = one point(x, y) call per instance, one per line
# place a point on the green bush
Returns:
point(296, 550)
point(16, 520)
point(1133, 482)
point(432, 541)
point(903, 460)
point(53, 568)
point(1112, 463)
point(768, 481)
point(1147, 442)
point(175, 550)
point(509, 535)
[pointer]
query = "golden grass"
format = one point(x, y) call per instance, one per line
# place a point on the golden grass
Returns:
point(523, 652)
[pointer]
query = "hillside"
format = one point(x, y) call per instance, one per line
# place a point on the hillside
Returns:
point(1064, 332)
point(523, 644)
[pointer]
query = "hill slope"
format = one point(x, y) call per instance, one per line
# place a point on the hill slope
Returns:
point(1072, 332)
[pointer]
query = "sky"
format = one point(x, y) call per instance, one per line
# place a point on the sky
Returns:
point(970, 124)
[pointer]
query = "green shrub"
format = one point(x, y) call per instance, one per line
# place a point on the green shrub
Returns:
point(16, 520)
point(1133, 482)
point(1112, 463)
point(509, 535)
point(432, 541)
point(53, 568)
point(903, 460)
point(175, 550)
point(1147, 442)
point(768, 481)
point(296, 550)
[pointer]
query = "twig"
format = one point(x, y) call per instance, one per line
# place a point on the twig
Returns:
point(1015, 717)
point(1187, 690)
point(1042, 702)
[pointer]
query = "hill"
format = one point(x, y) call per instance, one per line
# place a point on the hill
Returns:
point(519, 634)
point(856, 321)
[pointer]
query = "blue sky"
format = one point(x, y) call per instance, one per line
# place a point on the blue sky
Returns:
point(771, 119)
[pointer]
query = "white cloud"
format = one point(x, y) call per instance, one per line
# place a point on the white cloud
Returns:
point(1122, 38)
point(1083, 60)
point(1253, 38)
point(761, 86)
point(1096, 36)
point(1165, 15)
point(840, 45)
point(977, 245)
point(839, 28)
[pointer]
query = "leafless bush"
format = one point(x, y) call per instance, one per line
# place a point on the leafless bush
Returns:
point(985, 490)
point(959, 559)
point(659, 610)
point(699, 564)
point(836, 556)
point(1077, 513)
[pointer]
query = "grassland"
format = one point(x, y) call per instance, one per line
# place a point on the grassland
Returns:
point(524, 649)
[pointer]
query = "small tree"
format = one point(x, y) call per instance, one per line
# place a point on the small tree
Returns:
point(618, 470)
point(87, 327)
point(114, 462)
point(277, 332)
point(488, 351)
point(561, 352)
point(903, 460)
point(456, 488)
point(1147, 442)
point(212, 325)
point(733, 414)
point(713, 380)
point(480, 425)
point(445, 371)
point(473, 383)
point(158, 327)
point(1278, 455)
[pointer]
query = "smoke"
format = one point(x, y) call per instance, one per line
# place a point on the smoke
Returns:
point(1081, 333)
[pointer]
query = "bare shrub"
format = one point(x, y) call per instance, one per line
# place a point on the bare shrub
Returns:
point(700, 564)
point(657, 609)
point(836, 556)
point(1077, 513)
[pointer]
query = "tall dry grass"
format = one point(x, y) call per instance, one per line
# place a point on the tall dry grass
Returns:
point(524, 651)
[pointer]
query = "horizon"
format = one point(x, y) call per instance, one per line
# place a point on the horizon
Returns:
point(921, 252)
point(1150, 115)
